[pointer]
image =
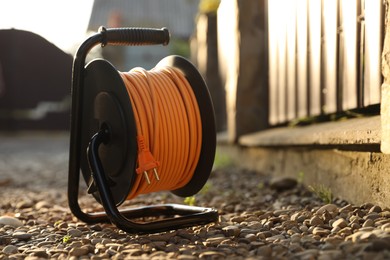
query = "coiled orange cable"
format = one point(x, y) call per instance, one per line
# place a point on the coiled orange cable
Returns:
point(169, 130)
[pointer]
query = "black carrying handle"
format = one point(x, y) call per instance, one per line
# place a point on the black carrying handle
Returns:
point(134, 36)
point(119, 36)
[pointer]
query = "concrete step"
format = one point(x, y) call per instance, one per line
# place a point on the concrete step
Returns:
point(343, 156)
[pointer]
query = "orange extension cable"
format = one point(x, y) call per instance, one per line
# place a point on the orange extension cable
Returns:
point(169, 130)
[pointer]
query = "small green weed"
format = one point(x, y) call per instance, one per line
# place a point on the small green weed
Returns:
point(222, 161)
point(66, 239)
point(322, 192)
point(300, 177)
point(190, 201)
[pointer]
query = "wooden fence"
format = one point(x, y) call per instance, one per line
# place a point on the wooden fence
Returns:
point(324, 56)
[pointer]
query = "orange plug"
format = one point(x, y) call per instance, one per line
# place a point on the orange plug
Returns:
point(146, 161)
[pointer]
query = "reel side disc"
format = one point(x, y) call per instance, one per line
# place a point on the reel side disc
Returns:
point(106, 105)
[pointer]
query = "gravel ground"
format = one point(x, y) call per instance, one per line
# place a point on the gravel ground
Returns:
point(261, 217)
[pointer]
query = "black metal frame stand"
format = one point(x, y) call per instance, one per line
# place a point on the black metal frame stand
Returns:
point(177, 216)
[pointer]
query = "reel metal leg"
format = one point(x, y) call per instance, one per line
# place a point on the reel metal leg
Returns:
point(182, 215)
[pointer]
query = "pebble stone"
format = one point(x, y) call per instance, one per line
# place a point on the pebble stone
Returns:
point(340, 223)
point(22, 235)
point(279, 219)
point(75, 233)
point(10, 249)
point(10, 221)
point(231, 231)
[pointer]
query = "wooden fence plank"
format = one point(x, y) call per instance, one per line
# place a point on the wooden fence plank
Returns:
point(282, 79)
point(291, 40)
point(315, 57)
point(273, 23)
point(373, 48)
point(302, 73)
point(349, 55)
point(329, 18)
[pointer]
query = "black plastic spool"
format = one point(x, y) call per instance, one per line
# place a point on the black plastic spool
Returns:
point(103, 137)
